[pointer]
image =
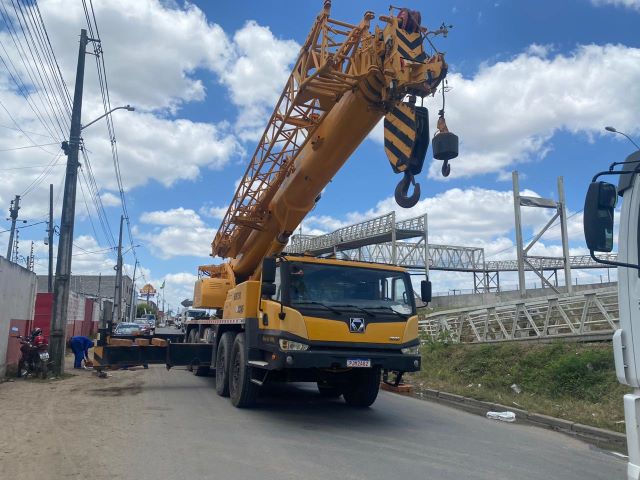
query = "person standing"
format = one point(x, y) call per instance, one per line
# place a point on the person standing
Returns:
point(80, 346)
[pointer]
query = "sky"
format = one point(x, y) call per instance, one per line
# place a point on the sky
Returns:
point(531, 86)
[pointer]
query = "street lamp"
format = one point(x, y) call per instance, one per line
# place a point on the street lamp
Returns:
point(126, 107)
point(613, 130)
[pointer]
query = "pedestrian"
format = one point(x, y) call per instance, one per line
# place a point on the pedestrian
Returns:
point(80, 346)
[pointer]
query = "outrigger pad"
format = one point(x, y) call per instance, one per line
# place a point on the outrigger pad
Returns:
point(445, 146)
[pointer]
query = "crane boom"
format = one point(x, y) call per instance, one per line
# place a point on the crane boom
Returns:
point(345, 80)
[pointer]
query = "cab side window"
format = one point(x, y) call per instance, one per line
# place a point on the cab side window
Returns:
point(278, 284)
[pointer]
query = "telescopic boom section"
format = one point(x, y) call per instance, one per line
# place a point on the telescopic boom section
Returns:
point(345, 79)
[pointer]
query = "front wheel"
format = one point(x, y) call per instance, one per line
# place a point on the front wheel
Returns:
point(242, 390)
point(223, 360)
point(363, 388)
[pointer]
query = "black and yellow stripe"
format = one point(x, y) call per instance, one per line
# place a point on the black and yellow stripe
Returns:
point(410, 46)
point(400, 135)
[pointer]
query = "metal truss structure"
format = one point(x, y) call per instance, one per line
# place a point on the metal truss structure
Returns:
point(324, 71)
point(589, 315)
point(385, 240)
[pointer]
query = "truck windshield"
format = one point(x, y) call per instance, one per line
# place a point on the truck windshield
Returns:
point(341, 287)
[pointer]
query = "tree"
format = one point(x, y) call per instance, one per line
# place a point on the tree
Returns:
point(143, 308)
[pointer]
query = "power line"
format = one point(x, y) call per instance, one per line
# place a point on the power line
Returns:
point(28, 146)
point(36, 75)
point(23, 131)
point(24, 226)
point(106, 101)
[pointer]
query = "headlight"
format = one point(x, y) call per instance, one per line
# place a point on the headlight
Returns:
point(289, 345)
point(411, 350)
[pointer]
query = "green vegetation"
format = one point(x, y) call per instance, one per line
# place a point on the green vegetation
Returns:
point(143, 308)
point(567, 380)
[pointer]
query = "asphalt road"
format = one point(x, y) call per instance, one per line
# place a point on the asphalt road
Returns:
point(173, 425)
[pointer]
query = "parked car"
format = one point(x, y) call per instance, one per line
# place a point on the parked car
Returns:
point(126, 328)
point(145, 327)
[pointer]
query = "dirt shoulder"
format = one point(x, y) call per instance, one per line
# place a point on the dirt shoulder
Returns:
point(63, 421)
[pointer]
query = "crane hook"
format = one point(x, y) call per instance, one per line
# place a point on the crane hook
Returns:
point(402, 190)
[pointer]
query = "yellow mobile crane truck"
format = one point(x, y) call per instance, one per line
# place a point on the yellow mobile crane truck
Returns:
point(283, 317)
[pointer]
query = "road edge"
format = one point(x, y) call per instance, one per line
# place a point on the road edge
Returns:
point(599, 437)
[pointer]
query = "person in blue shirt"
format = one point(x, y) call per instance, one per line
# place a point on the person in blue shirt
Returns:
point(80, 347)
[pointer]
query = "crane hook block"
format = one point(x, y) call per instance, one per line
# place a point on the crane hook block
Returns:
point(402, 190)
point(406, 139)
point(445, 146)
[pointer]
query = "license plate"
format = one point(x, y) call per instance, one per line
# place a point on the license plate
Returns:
point(44, 356)
point(358, 362)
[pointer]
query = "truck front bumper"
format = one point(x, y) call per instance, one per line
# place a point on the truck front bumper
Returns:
point(337, 359)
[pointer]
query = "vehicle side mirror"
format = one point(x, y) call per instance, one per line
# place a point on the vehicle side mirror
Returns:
point(268, 270)
point(425, 291)
point(268, 289)
point(598, 216)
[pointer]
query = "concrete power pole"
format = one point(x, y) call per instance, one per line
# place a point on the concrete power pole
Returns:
point(13, 211)
point(117, 296)
point(50, 232)
point(65, 244)
point(132, 310)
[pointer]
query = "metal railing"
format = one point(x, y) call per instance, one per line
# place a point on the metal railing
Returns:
point(591, 314)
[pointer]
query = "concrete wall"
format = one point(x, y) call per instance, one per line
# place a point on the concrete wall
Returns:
point(17, 303)
point(481, 299)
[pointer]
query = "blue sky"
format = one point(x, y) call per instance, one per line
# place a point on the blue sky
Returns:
point(532, 85)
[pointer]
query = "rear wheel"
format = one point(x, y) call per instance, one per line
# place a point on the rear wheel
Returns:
point(43, 370)
point(362, 390)
point(223, 355)
point(192, 336)
point(208, 335)
point(242, 390)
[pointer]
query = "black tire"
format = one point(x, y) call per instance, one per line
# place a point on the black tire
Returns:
point(363, 388)
point(242, 390)
point(43, 371)
point(327, 390)
point(223, 358)
point(207, 335)
point(191, 336)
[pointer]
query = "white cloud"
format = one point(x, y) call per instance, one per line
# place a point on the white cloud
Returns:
point(212, 211)
point(180, 217)
point(256, 75)
point(174, 241)
point(633, 4)
point(110, 200)
point(152, 51)
point(509, 111)
point(182, 233)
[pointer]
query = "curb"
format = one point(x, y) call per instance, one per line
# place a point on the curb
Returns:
point(597, 436)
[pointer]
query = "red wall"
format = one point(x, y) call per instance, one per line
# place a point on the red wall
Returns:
point(42, 316)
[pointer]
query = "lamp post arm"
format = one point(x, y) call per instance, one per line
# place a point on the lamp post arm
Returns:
point(126, 107)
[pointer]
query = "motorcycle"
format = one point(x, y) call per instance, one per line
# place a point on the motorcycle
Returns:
point(34, 360)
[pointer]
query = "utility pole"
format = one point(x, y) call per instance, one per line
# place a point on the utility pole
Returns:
point(132, 310)
point(13, 211)
point(117, 296)
point(50, 232)
point(65, 244)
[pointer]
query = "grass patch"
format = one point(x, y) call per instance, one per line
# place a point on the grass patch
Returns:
point(573, 381)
